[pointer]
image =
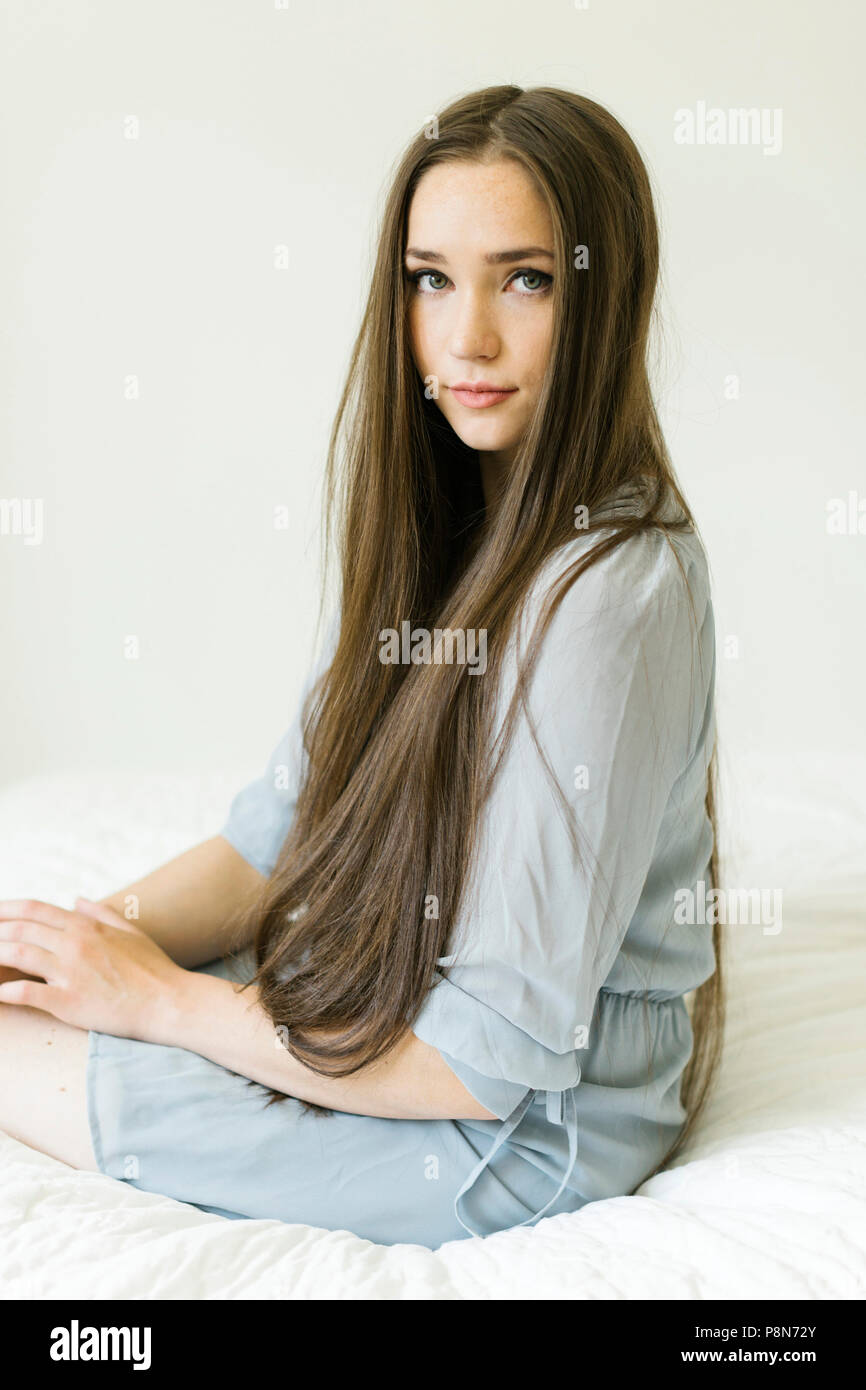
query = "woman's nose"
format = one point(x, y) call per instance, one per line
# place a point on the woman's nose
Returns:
point(473, 331)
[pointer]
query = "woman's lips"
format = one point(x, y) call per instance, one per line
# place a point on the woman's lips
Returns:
point(477, 400)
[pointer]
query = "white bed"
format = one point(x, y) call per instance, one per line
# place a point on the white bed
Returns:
point(769, 1200)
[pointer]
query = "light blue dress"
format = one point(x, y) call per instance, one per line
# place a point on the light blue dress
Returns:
point(562, 1008)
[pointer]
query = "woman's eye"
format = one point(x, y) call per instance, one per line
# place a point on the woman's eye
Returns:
point(420, 275)
point(536, 281)
point(544, 281)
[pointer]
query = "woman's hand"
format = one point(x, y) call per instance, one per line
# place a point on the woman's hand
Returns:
point(90, 968)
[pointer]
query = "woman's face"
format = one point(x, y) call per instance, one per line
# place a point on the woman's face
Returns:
point(479, 255)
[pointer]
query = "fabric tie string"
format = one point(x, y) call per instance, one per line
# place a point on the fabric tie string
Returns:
point(558, 1104)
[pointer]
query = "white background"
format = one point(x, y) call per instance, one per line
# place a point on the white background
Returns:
point(154, 257)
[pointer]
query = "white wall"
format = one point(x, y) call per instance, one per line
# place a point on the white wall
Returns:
point(154, 257)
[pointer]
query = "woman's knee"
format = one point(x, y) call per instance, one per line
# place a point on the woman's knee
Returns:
point(43, 1084)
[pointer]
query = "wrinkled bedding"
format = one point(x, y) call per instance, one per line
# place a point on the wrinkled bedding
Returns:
point(767, 1201)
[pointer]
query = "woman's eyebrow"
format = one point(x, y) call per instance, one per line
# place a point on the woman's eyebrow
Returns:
point(492, 257)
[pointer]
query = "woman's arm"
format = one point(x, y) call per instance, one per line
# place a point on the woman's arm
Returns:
point(94, 970)
point(186, 906)
point(189, 905)
point(211, 1017)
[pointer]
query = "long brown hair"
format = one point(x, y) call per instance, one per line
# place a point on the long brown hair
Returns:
point(398, 764)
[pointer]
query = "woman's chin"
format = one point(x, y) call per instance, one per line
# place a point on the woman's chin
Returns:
point(484, 436)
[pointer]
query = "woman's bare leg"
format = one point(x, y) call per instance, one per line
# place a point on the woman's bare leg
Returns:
point(43, 1090)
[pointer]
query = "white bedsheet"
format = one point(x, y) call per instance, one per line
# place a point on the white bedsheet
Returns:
point(769, 1200)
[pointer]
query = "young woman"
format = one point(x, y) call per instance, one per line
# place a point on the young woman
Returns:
point(454, 900)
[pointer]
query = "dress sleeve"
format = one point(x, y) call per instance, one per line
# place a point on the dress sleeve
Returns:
point(618, 700)
point(260, 815)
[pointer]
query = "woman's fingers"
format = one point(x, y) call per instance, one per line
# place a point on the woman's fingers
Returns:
point(32, 910)
point(60, 918)
point(31, 960)
point(33, 933)
point(33, 994)
point(28, 947)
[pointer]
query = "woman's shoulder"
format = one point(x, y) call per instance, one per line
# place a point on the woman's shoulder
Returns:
point(632, 638)
point(656, 565)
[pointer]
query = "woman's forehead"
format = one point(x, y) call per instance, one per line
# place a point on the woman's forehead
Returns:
point(495, 208)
